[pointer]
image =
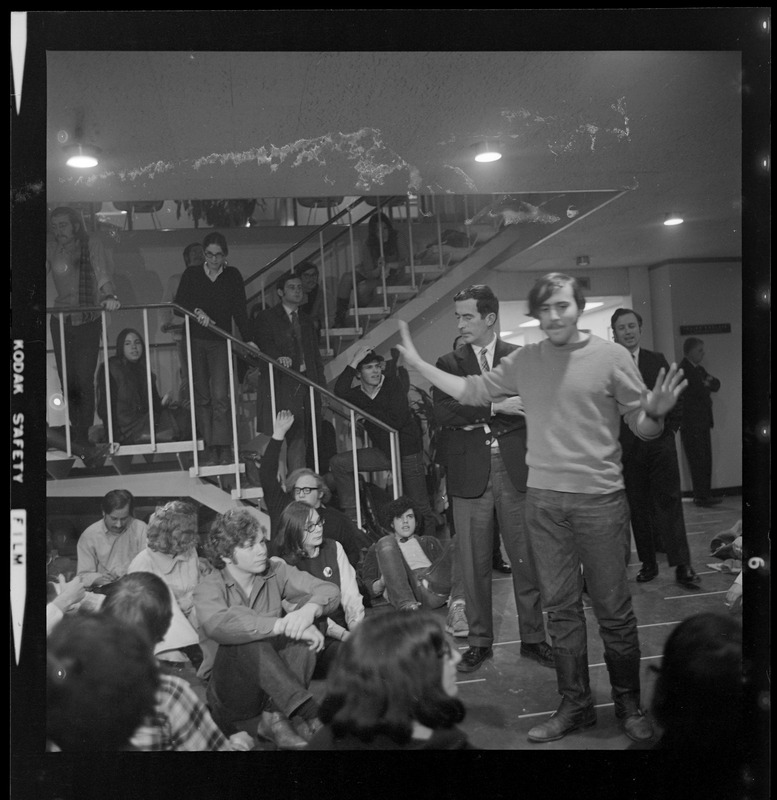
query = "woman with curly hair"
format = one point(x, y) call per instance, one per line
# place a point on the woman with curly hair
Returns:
point(300, 542)
point(393, 687)
point(171, 553)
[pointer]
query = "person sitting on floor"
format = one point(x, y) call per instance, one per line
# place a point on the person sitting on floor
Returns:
point(171, 554)
point(301, 543)
point(180, 721)
point(106, 548)
point(260, 659)
point(410, 571)
point(393, 687)
point(101, 679)
point(308, 486)
point(698, 701)
point(129, 397)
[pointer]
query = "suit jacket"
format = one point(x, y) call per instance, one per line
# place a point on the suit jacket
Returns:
point(468, 453)
point(273, 334)
point(697, 398)
point(649, 363)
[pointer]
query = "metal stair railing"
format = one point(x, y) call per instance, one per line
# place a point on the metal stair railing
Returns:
point(236, 348)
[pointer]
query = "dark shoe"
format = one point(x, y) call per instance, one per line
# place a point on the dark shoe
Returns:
point(274, 727)
point(96, 456)
point(637, 727)
point(209, 457)
point(473, 658)
point(562, 722)
point(502, 566)
point(226, 456)
point(686, 577)
point(539, 652)
point(647, 573)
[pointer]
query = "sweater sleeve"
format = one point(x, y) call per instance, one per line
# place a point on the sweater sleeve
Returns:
point(350, 597)
point(274, 497)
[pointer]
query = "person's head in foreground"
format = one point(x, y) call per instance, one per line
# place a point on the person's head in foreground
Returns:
point(699, 691)
point(101, 681)
point(141, 600)
point(172, 528)
point(394, 676)
point(557, 301)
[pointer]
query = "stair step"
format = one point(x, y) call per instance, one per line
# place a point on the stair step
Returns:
point(429, 269)
point(398, 290)
point(370, 311)
point(248, 493)
point(216, 469)
point(343, 331)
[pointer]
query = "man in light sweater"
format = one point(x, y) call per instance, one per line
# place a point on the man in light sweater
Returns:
point(575, 388)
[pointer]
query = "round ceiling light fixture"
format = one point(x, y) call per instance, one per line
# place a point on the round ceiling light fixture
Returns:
point(82, 156)
point(486, 153)
point(673, 219)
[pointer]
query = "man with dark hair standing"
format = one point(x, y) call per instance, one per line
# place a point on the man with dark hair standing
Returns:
point(650, 470)
point(575, 387)
point(286, 333)
point(486, 472)
point(79, 267)
point(697, 421)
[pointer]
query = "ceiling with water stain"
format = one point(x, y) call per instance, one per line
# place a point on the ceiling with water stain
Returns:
point(666, 125)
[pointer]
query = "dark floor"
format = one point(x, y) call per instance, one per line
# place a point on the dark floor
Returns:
point(509, 695)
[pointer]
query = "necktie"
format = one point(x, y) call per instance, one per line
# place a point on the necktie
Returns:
point(296, 332)
point(484, 361)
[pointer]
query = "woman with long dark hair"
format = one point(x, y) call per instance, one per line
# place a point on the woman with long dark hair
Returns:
point(393, 687)
point(129, 396)
point(300, 542)
point(381, 253)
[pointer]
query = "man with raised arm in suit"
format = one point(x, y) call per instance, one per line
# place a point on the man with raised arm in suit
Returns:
point(286, 334)
point(486, 462)
point(650, 470)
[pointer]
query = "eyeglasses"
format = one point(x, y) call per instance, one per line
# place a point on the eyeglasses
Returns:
point(313, 526)
point(208, 254)
point(305, 490)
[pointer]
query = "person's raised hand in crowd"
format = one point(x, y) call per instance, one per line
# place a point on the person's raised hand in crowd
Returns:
point(71, 593)
point(661, 399)
point(407, 348)
point(283, 421)
point(111, 304)
point(360, 353)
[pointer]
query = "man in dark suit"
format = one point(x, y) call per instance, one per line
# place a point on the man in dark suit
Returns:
point(286, 334)
point(486, 470)
point(697, 421)
point(650, 471)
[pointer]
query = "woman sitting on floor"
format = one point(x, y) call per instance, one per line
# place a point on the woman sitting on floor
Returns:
point(300, 542)
point(393, 687)
point(129, 397)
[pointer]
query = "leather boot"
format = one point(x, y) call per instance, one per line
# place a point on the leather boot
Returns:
point(341, 311)
point(624, 679)
point(274, 727)
point(576, 710)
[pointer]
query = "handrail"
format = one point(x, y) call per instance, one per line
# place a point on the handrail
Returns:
point(248, 353)
point(317, 231)
point(289, 250)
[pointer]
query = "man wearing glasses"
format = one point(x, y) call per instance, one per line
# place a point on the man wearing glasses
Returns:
point(309, 487)
point(216, 295)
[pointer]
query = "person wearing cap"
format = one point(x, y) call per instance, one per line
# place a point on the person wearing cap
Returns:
point(385, 398)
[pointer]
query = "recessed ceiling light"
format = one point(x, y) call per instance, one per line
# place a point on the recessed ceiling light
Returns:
point(487, 153)
point(673, 219)
point(82, 156)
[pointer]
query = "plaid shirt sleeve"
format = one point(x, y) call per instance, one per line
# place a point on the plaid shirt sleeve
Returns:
point(181, 722)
